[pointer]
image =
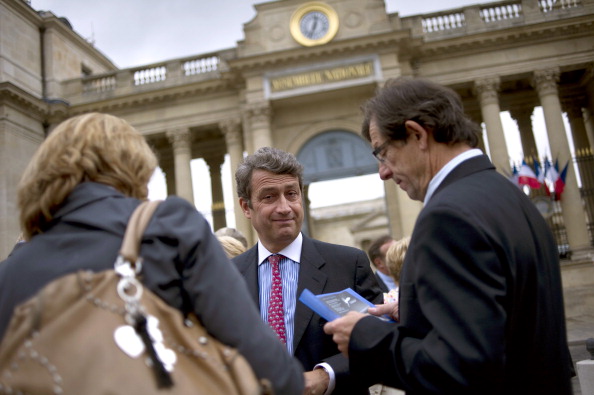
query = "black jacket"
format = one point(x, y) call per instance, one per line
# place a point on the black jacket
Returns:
point(481, 302)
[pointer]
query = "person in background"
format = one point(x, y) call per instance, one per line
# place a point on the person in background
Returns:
point(481, 300)
point(235, 233)
point(231, 246)
point(75, 198)
point(394, 261)
point(377, 256)
point(284, 262)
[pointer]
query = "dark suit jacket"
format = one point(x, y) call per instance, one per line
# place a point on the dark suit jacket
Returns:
point(481, 303)
point(381, 283)
point(323, 268)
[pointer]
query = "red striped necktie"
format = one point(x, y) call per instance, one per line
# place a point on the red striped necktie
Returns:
point(276, 312)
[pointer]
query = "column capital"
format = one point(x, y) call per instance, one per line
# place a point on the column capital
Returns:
point(572, 108)
point(521, 112)
point(486, 88)
point(573, 104)
point(258, 112)
point(179, 137)
point(214, 161)
point(545, 80)
point(588, 74)
point(231, 130)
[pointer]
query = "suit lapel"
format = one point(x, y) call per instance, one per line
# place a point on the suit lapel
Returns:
point(311, 277)
point(247, 264)
point(469, 166)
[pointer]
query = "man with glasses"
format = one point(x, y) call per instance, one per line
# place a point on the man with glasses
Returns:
point(481, 306)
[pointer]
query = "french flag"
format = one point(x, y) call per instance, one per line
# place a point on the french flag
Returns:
point(539, 171)
point(514, 176)
point(526, 176)
point(560, 182)
point(551, 176)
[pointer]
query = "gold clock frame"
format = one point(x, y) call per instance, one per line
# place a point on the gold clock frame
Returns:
point(309, 7)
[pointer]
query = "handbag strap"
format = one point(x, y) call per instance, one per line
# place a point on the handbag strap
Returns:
point(130, 288)
point(135, 229)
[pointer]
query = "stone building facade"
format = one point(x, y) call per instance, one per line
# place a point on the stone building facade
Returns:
point(300, 90)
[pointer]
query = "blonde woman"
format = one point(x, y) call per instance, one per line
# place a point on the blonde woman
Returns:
point(75, 198)
point(231, 245)
point(395, 258)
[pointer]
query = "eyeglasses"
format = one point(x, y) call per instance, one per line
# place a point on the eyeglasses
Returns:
point(378, 151)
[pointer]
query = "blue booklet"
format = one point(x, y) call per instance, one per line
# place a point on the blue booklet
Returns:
point(335, 304)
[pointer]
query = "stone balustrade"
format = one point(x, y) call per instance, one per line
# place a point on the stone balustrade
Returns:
point(154, 76)
point(431, 27)
point(480, 18)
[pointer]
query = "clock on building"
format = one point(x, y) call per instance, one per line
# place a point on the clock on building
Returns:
point(314, 23)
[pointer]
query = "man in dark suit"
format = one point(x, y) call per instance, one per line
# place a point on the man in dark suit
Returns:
point(270, 186)
point(377, 255)
point(481, 303)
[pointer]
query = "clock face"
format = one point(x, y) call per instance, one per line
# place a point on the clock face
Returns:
point(314, 25)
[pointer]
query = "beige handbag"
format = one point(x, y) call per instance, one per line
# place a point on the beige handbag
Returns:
point(103, 333)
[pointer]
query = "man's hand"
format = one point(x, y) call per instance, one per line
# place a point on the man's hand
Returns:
point(341, 329)
point(390, 309)
point(316, 382)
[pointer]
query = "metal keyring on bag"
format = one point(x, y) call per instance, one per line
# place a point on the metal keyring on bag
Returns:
point(126, 269)
point(125, 285)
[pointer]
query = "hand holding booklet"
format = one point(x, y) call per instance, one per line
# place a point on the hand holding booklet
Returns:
point(336, 304)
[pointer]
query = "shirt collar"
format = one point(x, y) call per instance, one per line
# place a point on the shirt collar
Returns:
point(292, 251)
point(444, 171)
point(388, 280)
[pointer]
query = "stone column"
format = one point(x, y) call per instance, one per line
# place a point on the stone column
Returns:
point(581, 145)
point(523, 118)
point(231, 129)
point(588, 84)
point(589, 125)
point(574, 216)
point(402, 211)
point(393, 211)
point(577, 124)
point(477, 118)
point(308, 226)
point(486, 90)
point(168, 168)
point(409, 211)
point(258, 115)
point(180, 139)
point(214, 163)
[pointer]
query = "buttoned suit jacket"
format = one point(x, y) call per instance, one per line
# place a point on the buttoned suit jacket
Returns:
point(481, 306)
point(323, 268)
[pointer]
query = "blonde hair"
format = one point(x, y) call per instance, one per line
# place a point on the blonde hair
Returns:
point(395, 257)
point(91, 147)
point(231, 245)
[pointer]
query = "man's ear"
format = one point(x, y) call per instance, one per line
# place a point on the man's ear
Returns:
point(245, 207)
point(418, 132)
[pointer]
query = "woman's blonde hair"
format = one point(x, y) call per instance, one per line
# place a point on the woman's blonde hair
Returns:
point(231, 245)
point(395, 257)
point(91, 147)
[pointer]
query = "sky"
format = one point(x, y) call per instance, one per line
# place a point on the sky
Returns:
point(139, 32)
